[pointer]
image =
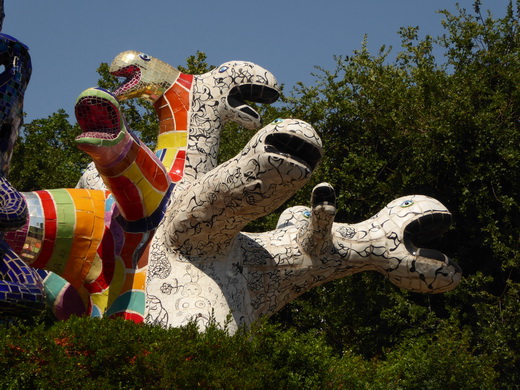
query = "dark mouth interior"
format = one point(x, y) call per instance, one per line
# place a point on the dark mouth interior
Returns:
point(97, 117)
point(323, 195)
point(254, 93)
point(424, 229)
point(127, 71)
point(293, 146)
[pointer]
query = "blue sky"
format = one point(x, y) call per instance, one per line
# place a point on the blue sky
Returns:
point(69, 39)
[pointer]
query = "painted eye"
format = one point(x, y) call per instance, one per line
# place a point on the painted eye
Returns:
point(307, 214)
point(406, 203)
point(223, 69)
point(277, 120)
point(145, 57)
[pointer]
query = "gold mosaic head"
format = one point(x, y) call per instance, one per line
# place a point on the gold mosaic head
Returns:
point(145, 76)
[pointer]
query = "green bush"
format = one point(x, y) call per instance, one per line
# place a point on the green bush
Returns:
point(442, 361)
point(85, 353)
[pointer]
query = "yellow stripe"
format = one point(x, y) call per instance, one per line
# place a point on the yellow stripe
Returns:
point(172, 139)
point(117, 282)
point(150, 197)
point(169, 158)
point(100, 300)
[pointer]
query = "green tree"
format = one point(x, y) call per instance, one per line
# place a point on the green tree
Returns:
point(45, 155)
point(448, 128)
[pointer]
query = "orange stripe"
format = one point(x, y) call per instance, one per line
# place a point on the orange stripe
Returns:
point(134, 281)
point(88, 233)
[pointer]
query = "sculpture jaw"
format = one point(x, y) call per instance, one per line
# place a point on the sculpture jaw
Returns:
point(421, 270)
point(239, 82)
point(132, 76)
point(425, 275)
point(144, 76)
point(237, 110)
point(104, 135)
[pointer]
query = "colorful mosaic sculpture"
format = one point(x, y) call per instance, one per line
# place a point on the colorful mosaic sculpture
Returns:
point(157, 237)
point(21, 289)
point(128, 187)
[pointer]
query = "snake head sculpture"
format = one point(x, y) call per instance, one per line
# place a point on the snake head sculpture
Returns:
point(144, 76)
point(230, 85)
point(274, 164)
point(408, 220)
point(385, 243)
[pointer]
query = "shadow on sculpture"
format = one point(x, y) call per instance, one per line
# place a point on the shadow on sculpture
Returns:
point(156, 237)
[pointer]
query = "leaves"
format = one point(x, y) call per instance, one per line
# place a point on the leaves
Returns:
point(46, 156)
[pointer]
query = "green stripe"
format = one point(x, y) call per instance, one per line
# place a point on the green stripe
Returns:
point(53, 285)
point(131, 300)
point(66, 220)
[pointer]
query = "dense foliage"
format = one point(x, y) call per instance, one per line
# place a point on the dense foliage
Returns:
point(116, 354)
point(393, 123)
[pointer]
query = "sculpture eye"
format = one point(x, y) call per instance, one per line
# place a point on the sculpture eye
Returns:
point(145, 57)
point(223, 69)
point(407, 203)
point(277, 120)
point(307, 214)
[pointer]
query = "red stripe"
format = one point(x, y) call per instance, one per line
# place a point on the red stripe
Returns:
point(106, 252)
point(128, 197)
point(185, 80)
point(151, 170)
point(137, 318)
point(49, 236)
point(177, 169)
